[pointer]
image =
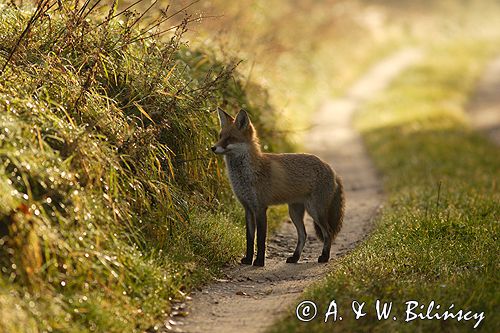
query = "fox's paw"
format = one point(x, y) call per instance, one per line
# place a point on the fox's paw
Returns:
point(323, 258)
point(292, 259)
point(258, 262)
point(246, 261)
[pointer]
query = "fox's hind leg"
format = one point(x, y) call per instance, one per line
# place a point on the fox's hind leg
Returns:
point(322, 223)
point(320, 218)
point(296, 212)
point(327, 243)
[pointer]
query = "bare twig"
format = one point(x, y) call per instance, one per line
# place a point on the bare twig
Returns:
point(156, 34)
point(159, 22)
point(91, 9)
point(121, 12)
point(39, 11)
point(143, 13)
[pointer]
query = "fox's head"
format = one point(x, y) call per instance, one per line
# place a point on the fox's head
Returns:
point(237, 136)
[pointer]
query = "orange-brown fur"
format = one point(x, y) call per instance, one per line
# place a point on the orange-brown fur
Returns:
point(303, 181)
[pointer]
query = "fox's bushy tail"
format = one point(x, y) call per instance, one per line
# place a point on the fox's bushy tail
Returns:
point(335, 211)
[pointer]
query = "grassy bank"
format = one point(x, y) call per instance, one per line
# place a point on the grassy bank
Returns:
point(437, 236)
point(112, 205)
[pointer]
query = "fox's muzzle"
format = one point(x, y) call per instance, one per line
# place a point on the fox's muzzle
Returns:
point(218, 149)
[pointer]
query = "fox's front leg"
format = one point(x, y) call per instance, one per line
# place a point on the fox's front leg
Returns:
point(250, 226)
point(261, 219)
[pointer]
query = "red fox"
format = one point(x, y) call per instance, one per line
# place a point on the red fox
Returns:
point(302, 181)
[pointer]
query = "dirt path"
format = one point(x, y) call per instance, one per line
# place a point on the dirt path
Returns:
point(250, 299)
point(484, 108)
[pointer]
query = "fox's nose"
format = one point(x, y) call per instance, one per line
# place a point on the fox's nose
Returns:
point(213, 148)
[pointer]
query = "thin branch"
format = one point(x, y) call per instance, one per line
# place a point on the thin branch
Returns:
point(123, 11)
point(38, 12)
point(91, 9)
point(136, 39)
point(82, 9)
point(143, 13)
point(151, 27)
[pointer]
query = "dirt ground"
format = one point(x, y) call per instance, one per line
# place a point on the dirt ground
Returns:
point(484, 108)
point(249, 299)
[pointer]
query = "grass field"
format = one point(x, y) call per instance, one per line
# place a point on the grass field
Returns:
point(437, 236)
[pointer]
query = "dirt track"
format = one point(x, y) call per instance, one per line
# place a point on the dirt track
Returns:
point(484, 108)
point(250, 299)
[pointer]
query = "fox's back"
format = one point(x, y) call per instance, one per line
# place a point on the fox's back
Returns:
point(287, 178)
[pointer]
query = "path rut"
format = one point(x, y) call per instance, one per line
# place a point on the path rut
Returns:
point(250, 299)
point(484, 108)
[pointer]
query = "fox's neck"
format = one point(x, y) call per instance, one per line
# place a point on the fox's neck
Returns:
point(251, 159)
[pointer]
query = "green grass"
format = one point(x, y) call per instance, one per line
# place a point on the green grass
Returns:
point(111, 204)
point(437, 236)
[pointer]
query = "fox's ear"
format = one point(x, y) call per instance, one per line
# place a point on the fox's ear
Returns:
point(242, 120)
point(224, 118)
